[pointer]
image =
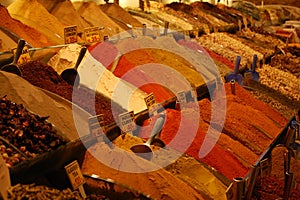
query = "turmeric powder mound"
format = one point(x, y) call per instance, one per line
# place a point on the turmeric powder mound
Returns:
point(65, 12)
point(29, 34)
point(33, 14)
point(92, 13)
point(159, 184)
point(120, 16)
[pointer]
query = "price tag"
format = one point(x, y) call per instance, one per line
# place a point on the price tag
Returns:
point(24, 57)
point(151, 104)
point(92, 35)
point(247, 78)
point(181, 97)
point(75, 177)
point(97, 126)
point(127, 122)
point(4, 178)
point(70, 34)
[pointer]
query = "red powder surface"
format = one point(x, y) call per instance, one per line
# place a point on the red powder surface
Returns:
point(104, 52)
point(219, 158)
point(128, 70)
point(244, 123)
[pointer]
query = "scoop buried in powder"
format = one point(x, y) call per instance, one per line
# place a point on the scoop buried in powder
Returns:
point(71, 75)
point(144, 150)
point(13, 67)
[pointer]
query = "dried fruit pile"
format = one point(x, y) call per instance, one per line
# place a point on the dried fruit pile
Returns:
point(30, 133)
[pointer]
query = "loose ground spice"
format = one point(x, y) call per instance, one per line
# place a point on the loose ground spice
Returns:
point(33, 14)
point(159, 184)
point(219, 158)
point(270, 188)
point(120, 16)
point(92, 13)
point(277, 161)
point(185, 168)
point(65, 12)
point(45, 77)
point(31, 35)
point(59, 110)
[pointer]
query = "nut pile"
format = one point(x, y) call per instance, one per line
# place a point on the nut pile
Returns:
point(32, 192)
point(281, 81)
point(30, 133)
point(10, 155)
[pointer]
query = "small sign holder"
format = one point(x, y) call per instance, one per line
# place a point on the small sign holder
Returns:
point(151, 104)
point(70, 33)
point(97, 126)
point(265, 168)
point(92, 35)
point(127, 122)
point(76, 177)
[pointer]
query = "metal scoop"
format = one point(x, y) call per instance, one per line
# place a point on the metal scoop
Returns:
point(71, 75)
point(13, 67)
point(144, 150)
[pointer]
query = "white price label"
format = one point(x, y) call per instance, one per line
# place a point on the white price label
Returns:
point(127, 122)
point(70, 34)
point(4, 178)
point(150, 100)
point(97, 125)
point(181, 97)
point(74, 174)
point(92, 35)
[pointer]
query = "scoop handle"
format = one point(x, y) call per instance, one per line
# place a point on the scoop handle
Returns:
point(80, 57)
point(156, 129)
point(21, 44)
point(254, 62)
point(237, 65)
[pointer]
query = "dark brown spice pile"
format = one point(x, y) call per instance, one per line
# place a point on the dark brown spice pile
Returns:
point(46, 77)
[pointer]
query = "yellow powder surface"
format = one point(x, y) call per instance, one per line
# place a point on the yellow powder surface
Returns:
point(92, 13)
point(65, 12)
point(29, 34)
point(120, 16)
point(33, 14)
point(159, 184)
point(181, 166)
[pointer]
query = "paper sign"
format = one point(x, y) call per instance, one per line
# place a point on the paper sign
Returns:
point(150, 100)
point(70, 34)
point(247, 78)
point(4, 178)
point(181, 97)
point(74, 174)
point(24, 57)
point(92, 35)
point(127, 122)
point(97, 126)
